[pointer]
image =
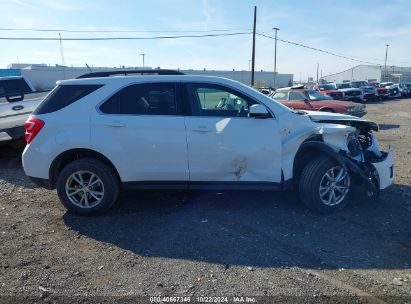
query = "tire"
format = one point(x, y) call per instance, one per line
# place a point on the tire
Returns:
point(314, 176)
point(100, 196)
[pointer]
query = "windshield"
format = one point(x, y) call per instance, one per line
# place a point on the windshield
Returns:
point(326, 87)
point(343, 86)
point(357, 84)
point(314, 95)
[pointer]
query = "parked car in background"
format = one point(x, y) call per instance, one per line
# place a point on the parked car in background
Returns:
point(93, 136)
point(405, 89)
point(393, 89)
point(329, 90)
point(305, 99)
point(382, 92)
point(368, 91)
point(350, 93)
point(17, 101)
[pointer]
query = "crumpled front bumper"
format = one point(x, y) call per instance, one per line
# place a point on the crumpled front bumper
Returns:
point(385, 169)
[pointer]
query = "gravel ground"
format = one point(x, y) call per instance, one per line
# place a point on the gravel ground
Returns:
point(263, 245)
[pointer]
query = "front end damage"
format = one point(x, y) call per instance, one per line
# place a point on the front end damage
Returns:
point(351, 141)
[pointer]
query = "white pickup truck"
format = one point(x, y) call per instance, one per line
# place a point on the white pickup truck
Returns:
point(17, 100)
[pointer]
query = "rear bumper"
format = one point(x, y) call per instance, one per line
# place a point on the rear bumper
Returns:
point(385, 170)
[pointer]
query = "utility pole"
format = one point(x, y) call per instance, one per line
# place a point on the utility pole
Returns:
point(275, 55)
point(143, 54)
point(253, 53)
point(385, 64)
point(318, 67)
point(62, 57)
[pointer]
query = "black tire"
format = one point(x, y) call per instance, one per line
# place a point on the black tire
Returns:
point(109, 179)
point(310, 181)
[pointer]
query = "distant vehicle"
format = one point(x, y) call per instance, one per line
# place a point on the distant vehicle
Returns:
point(304, 99)
point(350, 93)
point(329, 90)
point(382, 92)
point(17, 101)
point(393, 89)
point(368, 91)
point(405, 89)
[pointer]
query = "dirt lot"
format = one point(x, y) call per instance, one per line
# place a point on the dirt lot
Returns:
point(210, 244)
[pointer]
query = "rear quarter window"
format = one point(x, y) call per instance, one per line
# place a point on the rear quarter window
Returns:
point(64, 95)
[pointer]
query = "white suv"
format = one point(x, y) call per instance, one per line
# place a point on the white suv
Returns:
point(92, 136)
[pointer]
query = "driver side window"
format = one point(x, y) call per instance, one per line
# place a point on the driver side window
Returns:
point(215, 100)
point(296, 96)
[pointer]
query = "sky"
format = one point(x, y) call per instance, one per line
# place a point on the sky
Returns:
point(357, 29)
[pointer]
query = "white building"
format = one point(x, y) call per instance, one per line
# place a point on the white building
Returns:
point(43, 76)
point(371, 73)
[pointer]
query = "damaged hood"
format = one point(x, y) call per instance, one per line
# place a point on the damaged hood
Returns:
point(336, 118)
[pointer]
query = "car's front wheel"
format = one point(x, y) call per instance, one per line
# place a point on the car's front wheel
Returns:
point(87, 186)
point(325, 185)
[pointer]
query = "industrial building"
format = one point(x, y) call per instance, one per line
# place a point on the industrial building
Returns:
point(372, 73)
point(43, 76)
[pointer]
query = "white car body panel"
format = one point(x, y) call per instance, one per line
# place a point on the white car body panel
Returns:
point(186, 148)
point(233, 149)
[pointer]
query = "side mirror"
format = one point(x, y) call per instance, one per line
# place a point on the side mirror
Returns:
point(306, 100)
point(15, 98)
point(258, 111)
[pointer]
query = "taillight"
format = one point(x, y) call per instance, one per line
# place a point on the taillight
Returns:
point(33, 126)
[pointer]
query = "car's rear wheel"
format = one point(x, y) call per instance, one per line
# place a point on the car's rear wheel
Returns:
point(87, 186)
point(325, 185)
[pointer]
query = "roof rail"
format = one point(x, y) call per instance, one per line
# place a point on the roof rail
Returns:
point(126, 72)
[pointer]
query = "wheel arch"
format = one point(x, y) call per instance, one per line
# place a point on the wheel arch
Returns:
point(68, 156)
point(310, 150)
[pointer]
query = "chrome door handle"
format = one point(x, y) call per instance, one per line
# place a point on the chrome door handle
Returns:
point(114, 124)
point(17, 108)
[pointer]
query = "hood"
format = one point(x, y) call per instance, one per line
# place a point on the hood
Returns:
point(371, 88)
point(349, 89)
point(341, 103)
point(336, 118)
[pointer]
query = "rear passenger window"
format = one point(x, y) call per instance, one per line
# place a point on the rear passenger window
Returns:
point(143, 99)
point(64, 95)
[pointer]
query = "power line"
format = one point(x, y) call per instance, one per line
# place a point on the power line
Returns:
point(120, 38)
point(318, 50)
point(120, 31)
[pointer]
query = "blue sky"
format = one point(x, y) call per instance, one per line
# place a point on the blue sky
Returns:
point(354, 28)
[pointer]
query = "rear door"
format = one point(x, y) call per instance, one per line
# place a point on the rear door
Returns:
point(224, 143)
point(141, 129)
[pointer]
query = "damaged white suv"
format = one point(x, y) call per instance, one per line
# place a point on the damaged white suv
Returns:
point(94, 135)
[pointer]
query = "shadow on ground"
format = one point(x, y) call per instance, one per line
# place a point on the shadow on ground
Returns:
point(261, 229)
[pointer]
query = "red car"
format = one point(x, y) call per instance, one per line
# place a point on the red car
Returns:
point(382, 92)
point(327, 89)
point(304, 99)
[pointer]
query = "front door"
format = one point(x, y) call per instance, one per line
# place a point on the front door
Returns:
point(224, 143)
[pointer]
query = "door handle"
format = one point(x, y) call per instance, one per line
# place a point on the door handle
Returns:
point(114, 124)
point(202, 129)
point(17, 108)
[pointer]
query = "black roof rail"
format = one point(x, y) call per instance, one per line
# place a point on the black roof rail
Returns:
point(126, 72)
